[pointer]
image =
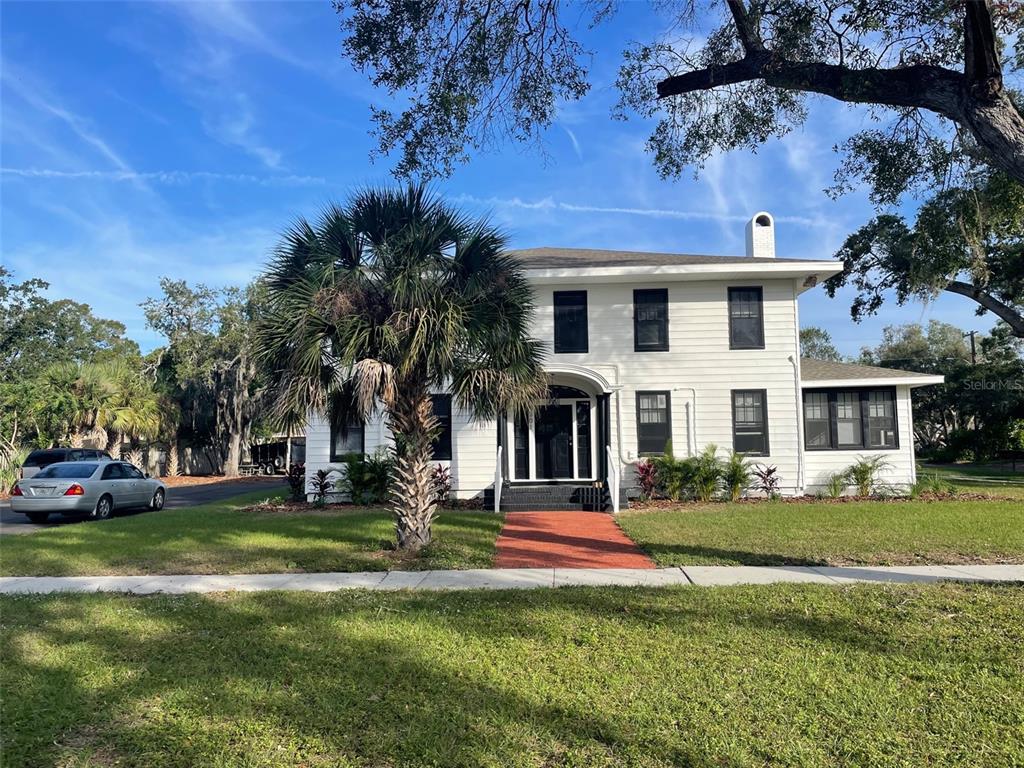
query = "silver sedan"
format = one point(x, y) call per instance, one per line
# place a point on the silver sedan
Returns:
point(85, 487)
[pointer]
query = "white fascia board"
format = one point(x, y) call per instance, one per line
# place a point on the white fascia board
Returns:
point(676, 272)
point(890, 381)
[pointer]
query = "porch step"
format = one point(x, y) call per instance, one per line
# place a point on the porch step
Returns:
point(553, 497)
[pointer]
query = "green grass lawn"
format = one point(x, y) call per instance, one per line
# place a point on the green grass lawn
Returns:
point(870, 532)
point(973, 478)
point(745, 676)
point(225, 538)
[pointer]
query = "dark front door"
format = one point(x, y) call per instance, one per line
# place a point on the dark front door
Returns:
point(554, 441)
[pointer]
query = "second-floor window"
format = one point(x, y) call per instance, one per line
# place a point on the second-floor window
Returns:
point(570, 321)
point(746, 318)
point(650, 320)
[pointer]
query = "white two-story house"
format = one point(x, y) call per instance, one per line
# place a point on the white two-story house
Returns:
point(647, 348)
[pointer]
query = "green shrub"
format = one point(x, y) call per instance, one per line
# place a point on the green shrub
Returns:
point(933, 483)
point(706, 473)
point(367, 478)
point(864, 473)
point(737, 474)
point(672, 476)
point(10, 462)
point(835, 484)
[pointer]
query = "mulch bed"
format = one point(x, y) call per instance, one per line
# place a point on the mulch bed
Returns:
point(652, 504)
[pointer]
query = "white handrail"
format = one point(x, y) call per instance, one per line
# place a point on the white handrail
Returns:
point(613, 480)
point(497, 482)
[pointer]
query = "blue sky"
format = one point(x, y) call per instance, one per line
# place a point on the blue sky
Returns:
point(149, 139)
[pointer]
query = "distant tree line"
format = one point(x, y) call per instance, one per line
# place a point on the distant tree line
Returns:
point(71, 378)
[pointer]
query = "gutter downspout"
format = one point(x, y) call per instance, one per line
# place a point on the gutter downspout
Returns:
point(800, 480)
point(691, 420)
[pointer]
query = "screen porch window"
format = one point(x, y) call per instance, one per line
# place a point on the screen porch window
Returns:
point(881, 408)
point(443, 413)
point(746, 318)
point(570, 321)
point(848, 426)
point(653, 422)
point(816, 420)
point(346, 439)
point(750, 422)
point(650, 320)
point(850, 419)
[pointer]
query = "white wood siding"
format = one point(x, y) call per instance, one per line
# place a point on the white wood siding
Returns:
point(699, 370)
point(474, 447)
point(698, 366)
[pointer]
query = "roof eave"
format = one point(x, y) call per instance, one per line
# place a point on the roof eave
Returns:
point(880, 381)
point(676, 272)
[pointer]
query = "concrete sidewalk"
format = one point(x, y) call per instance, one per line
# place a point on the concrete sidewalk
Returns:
point(512, 578)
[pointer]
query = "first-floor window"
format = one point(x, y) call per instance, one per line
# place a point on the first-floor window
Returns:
point(653, 422)
point(750, 422)
point(346, 439)
point(443, 413)
point(848, 419)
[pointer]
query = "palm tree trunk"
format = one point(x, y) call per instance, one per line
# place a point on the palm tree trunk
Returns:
point(413, 500)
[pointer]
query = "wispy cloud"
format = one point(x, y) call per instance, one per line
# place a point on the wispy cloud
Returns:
point(575, 142)
point(548, 204)
point(37, 94)
point(166, 177)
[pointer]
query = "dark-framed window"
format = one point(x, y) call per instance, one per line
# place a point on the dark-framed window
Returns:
point(443, 413)
point(570, 321)
point(746, 318)
point(347, 439)
point(653, 422)
point(650, 320)
point(850, 419)
point(750, 422)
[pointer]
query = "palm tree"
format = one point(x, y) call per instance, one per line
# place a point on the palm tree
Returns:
point(382, 301)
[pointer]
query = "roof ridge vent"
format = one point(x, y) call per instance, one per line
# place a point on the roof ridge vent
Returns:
point(761, 236)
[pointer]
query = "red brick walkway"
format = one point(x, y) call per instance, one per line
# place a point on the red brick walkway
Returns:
point(566, 540)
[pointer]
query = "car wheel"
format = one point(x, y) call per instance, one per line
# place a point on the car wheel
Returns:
point(158, 500)
point(38, 517)
point(104, 508)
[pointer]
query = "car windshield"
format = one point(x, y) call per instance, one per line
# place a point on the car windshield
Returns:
point(42, 458)
point(79, 470)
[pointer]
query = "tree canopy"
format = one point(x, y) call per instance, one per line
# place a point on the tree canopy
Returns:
point(979, 410)
point(965, 240)
point(385, 300)
point(208, 364)
point(816, 343)
point(931, 76)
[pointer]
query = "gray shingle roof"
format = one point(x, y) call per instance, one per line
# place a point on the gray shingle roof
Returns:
point(582, 258)
point(824, 370)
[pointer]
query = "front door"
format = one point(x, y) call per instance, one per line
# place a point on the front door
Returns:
point(554, 441)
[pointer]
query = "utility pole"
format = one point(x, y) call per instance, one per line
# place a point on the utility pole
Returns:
point(974, 354)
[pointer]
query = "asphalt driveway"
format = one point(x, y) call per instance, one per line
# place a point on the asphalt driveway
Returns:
point(177, 498)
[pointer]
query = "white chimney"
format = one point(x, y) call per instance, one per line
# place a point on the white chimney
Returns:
point(761, 236)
